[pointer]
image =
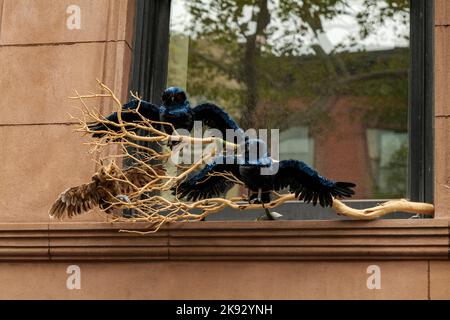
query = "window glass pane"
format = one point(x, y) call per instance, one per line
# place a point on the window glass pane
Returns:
point(332, 76)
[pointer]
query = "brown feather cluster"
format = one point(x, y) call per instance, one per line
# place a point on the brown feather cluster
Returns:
point(106, 185)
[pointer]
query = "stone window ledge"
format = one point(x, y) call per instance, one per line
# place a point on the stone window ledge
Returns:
point(272, 240)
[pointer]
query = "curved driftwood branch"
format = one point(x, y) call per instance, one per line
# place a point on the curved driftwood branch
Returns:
point(401, 205)
point(210, 206)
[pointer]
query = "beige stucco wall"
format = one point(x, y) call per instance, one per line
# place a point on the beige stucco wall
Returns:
point(42, 62)
point(225, 280)
point(442, 107)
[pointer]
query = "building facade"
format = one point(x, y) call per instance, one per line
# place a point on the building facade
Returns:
point(48, 49)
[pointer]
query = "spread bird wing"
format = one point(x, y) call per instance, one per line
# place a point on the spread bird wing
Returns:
point(308, 185)
point(85, 197)
point(77, 200)
point(215, 117)
point(213, 180)
point(133, 111)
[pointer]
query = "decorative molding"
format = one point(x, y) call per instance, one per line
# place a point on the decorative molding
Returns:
point(422, 239)
point(312, 240)
point(104, 241)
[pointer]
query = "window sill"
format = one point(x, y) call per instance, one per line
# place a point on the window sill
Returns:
point(273, 240)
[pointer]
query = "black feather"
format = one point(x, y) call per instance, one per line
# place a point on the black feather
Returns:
point(132, 112)
point(205, 184)
point(301, 179)
point(215, 117)
point(308, 185)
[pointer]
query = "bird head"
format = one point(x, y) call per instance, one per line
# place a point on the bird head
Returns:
point(255, 152)
point(106, 172)
point(174, 97)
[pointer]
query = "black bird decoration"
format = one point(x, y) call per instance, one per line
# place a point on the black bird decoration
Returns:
point(296, 175)
point(175, 109)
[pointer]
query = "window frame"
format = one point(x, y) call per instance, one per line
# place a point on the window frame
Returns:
point(150, 48)
point(421, 100)
point(149, 76)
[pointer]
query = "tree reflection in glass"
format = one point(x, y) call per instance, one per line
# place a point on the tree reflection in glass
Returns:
point(332, 75)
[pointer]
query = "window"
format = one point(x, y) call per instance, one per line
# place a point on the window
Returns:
point(347, 82)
